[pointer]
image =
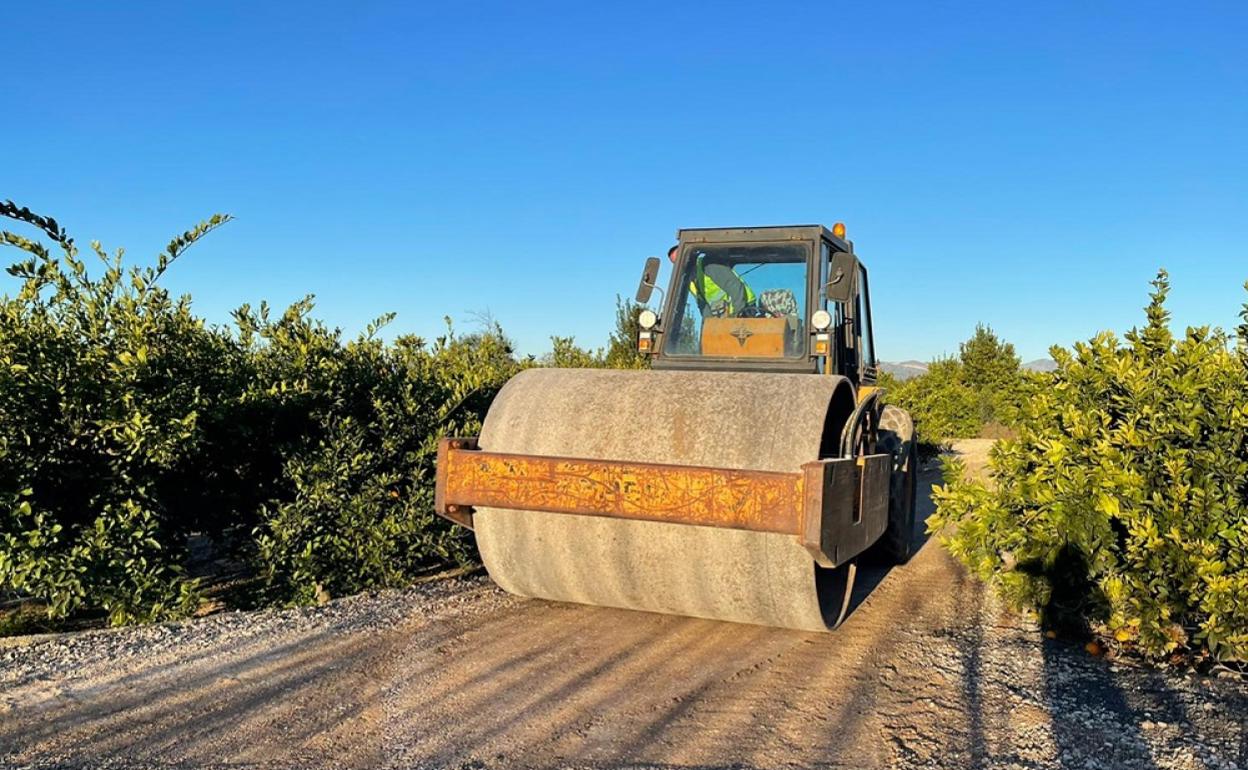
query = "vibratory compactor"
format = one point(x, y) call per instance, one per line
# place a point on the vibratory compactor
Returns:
point(738, 478)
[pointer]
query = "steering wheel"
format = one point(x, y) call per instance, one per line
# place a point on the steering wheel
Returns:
point(753, 311)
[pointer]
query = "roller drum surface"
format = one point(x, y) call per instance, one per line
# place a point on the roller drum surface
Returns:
point(748, 421)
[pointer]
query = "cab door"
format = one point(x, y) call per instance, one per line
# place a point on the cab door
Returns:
point(868, 368)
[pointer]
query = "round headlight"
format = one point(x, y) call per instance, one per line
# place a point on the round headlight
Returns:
point(821, 320)
point(647, 319)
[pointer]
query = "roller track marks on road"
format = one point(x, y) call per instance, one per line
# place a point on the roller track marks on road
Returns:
point(926, 672)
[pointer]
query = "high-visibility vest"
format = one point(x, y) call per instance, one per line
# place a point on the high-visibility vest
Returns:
point(709, 293)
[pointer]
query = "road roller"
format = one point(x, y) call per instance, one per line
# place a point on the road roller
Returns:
point(738, 478)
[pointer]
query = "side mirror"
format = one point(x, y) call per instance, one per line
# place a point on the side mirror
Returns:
point(648, 276)
point(840, 285)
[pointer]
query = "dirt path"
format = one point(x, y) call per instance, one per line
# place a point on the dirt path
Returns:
point(927, 672)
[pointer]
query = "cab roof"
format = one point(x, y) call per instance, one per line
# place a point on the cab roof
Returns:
point(764, 233)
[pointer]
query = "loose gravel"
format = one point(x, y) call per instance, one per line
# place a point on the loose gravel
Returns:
point(928, 672)
point(48, 657)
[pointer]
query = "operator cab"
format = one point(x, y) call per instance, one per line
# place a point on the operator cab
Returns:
point(776, 299)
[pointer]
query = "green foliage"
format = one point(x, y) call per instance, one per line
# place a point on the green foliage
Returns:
point(981, 392)
point(621, 351)
point(990, 369)
point(566, 354)
point(1122, 504)
point(361, 512)
point(989, 361)
point(100, 396)
point(127, 424)
point(622, 345)
point(941, 403)
point(114, 564)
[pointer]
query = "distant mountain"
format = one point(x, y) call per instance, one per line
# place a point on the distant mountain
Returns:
point(904, 370)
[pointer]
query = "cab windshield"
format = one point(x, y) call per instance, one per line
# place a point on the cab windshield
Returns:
point(740, 301)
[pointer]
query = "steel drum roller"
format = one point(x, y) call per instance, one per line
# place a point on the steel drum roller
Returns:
point(737, 420)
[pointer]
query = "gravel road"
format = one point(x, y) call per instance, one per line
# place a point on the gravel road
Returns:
point(927, 672)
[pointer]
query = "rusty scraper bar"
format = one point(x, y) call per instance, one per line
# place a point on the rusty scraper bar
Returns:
point(834, 507)
point(759, 501)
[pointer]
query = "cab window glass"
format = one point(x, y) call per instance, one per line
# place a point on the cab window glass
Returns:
point(741, 300)
point(863, 314)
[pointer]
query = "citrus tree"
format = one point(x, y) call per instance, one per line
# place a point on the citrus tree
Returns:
point(1121, 507)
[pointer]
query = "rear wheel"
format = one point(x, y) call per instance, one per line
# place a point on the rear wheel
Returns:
point(897, 437)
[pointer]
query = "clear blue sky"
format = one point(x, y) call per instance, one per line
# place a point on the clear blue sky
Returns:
point(1029, 167)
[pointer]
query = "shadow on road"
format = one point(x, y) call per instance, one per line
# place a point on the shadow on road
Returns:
point(874, 565)
point(927, 674)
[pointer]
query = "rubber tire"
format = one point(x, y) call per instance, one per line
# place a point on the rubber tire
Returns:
point(897, 437)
